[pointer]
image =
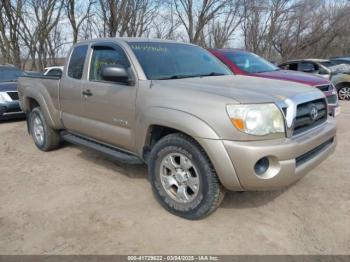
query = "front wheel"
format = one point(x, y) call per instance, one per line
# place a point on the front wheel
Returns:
point(183, 179)
point(344, 93)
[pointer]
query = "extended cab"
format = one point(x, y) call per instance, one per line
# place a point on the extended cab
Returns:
point(178, 109)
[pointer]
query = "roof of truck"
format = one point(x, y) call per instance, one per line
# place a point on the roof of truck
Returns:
point(132, 39)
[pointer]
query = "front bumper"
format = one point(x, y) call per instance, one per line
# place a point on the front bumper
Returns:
point(289, 158)
point(10, 110)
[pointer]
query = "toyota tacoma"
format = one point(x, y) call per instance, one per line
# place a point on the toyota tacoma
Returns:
point(200, 129)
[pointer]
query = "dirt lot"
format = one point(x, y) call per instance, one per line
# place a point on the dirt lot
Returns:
point(76, 201)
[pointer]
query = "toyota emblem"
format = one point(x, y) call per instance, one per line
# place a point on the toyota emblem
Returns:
point(313, 113)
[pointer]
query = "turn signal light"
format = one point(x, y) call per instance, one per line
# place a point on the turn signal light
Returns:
point(238, 123)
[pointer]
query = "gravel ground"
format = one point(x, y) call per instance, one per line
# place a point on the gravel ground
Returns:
point(77, 201)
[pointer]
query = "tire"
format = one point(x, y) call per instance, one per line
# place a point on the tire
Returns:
point(45, 138)
point(344, 93)
point(183, 179)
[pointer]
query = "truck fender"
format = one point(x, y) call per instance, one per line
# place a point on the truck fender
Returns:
point(42, 97)
point(171, 118)
point(199, 130)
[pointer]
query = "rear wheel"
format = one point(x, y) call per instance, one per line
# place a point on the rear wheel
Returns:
point(45, 138)
point(183, 179)
point(344, 93)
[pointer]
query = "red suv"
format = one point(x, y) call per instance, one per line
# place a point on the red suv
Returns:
point(242, 62)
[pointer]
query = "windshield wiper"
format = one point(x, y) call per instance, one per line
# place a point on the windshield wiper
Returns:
point(212, 74)
point(176, 77)
point(188, 76)
point(266, 71)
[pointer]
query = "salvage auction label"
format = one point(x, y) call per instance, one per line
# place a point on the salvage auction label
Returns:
point(173, 258)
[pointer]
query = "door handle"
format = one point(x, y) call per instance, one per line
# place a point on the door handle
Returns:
point(87, 92)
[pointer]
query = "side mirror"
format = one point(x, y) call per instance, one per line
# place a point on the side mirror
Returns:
point(116, 73)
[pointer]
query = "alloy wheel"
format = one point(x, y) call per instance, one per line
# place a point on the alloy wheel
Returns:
point(179, 177)
point(344, 93)
point(38, 130)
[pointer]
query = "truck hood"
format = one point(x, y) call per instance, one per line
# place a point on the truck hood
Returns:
point(294, 76)
point(8, 86)
point(243, 89)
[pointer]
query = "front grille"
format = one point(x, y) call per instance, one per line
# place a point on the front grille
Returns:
point(325, 88)
point(332, 99)
point(13, 95)
point(312, 153)
point(306, 118)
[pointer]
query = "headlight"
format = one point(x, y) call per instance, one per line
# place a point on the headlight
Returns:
point(4, 97)
point(257, 119)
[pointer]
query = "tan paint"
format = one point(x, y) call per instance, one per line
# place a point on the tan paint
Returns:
point(122, 115)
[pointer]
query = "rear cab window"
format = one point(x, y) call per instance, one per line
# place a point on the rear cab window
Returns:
point(77, 61)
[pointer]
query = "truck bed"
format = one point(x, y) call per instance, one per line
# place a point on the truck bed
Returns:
point(40, 88)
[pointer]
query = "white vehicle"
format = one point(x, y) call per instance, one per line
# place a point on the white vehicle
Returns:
point(53, 71)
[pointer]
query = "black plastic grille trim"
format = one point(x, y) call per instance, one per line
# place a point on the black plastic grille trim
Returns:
point(325, 88)
point(13, 95)
point(312, 153)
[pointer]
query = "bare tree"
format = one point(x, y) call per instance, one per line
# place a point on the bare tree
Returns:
point(165, 25)
point(223, 27)
point(262, 20)
point(127, 17)
point(77, 19)
point(47, 14)
point(195, 15)
point(10, 14)
point(312, 29)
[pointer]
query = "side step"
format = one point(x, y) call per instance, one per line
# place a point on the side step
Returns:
point(112, 152)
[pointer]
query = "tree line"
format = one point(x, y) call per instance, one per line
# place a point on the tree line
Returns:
point(35, 33)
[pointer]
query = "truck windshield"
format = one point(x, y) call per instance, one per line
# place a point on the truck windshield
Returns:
point(251, 63)
point(9, 74)
point(162, 61)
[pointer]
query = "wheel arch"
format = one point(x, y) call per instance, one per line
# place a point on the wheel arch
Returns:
point(158, 122)
point(34, 98)
point(342, 84)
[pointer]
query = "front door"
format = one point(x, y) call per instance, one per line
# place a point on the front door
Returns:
point(109, 106)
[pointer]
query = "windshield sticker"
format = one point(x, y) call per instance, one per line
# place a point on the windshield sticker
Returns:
point(149, 48)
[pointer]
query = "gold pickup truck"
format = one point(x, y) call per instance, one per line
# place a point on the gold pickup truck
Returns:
point(175, 107)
